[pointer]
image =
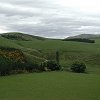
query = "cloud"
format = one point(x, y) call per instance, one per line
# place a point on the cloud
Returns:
point(50, 18)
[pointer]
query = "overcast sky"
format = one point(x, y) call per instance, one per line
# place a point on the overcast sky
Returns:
point(50, 18)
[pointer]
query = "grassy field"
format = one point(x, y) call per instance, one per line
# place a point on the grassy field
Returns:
point(69, 51)
point(50, 86)
point(54, 85)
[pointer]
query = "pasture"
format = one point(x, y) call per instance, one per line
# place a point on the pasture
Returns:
point(54, 85)
point(51, 86)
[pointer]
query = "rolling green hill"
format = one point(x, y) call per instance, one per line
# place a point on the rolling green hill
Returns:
point(20, 36)
point(53, 85)
point(38, 50)
point(86, 36)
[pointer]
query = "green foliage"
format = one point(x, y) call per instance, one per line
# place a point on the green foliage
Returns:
point(52, 65)
point(80, 40)
point(5, 66)
point(13, 61)
point(57, 57)
point(8, 65)
point(33, 67)
point(78, 67)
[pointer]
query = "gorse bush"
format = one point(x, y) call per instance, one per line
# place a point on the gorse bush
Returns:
point(78, 67)
point(12, 53)
point(8, 66)
point(5, 66)
point(14, 61)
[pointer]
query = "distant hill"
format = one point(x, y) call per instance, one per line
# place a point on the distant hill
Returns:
point(20, 36)
point(86, 36)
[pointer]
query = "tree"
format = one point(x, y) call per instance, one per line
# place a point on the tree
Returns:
point(57, 58)
point(50, 64)
point(78, 67)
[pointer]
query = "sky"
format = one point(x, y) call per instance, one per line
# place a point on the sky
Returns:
point(50, 18)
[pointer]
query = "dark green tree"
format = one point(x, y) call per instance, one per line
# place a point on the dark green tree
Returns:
point(58, 59)
point(78, 67)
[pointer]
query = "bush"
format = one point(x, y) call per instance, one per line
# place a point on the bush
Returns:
point(52, 65)
point(5, 66)
point(32, 67)
point(78, 67)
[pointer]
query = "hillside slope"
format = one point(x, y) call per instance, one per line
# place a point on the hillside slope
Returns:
point(87, 36)
point(40, 50)
point(20, 36)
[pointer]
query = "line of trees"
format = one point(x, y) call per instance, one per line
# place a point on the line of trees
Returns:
point(80, 40)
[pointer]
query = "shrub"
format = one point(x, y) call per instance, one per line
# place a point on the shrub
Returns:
point(5, 66)
point(78, 67)
point(31, 67)
point(52, 65)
